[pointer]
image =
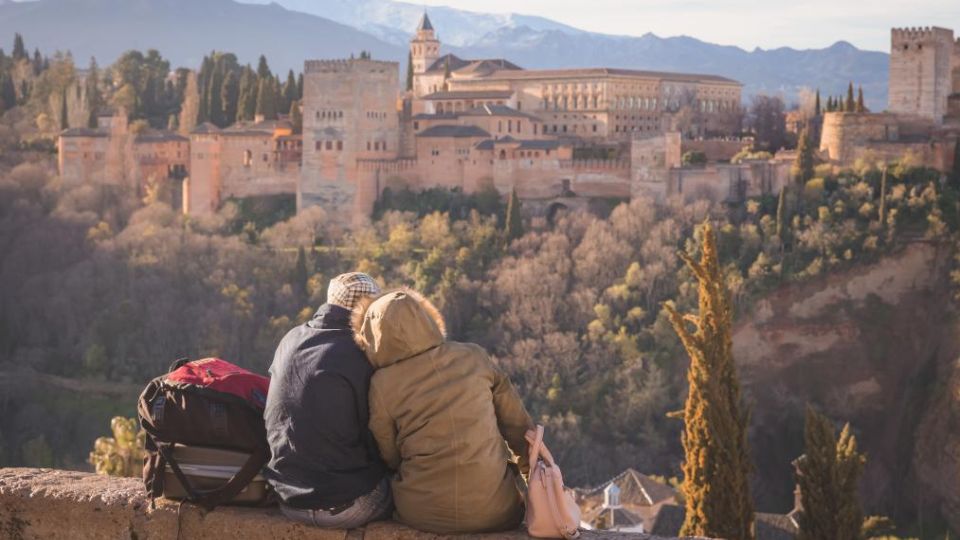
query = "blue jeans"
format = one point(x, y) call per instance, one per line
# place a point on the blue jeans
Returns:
point(374, 506)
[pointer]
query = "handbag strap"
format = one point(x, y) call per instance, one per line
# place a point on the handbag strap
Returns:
point(538, 450)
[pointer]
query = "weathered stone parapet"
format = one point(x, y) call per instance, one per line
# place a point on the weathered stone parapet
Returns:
point(54, 504)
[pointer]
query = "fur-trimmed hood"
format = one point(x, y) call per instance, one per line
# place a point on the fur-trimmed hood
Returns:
point(397, 325)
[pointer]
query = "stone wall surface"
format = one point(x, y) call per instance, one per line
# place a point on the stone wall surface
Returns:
point(55, 504)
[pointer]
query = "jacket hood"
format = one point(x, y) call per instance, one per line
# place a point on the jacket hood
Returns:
point(397, 325)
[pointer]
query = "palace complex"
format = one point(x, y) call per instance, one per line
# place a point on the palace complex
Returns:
point(559, 137)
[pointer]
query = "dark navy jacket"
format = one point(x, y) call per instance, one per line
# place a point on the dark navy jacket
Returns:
point(322, 453)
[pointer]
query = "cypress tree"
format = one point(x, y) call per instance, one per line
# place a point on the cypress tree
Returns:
point(955, 175)
point(804, 164)
point(92, 93)
point(247, 106)
point(300, 86)
point(782, 214)
point(37, 64)
point(860, 106)
point(883, 198)
point(229, 97)
point(828, 475)
point(513, 225)
point(64, 113)
point(263, 70)
point(8, 92)
point(409, 71)
point(19, 50)
point(213, 95)
point(203, 84)
point(289, 91)
point(816, 104)
point(300, 275)
point(296, 117)
point(266, 100)
point(849, 106)
point(716, 464)
point(24, 92)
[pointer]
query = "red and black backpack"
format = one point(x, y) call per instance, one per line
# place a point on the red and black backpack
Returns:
point(210, 403)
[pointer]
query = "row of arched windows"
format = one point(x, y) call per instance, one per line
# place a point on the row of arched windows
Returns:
point(329, 115)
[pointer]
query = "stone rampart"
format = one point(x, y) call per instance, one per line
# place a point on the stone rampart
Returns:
point(54, 504)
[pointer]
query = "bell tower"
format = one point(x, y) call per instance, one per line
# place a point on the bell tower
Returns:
point(424, 47)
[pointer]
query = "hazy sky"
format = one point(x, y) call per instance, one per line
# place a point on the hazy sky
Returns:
point(746, 23)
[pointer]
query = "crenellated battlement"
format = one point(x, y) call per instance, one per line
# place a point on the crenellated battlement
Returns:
point(346, 65)
point(922, 33)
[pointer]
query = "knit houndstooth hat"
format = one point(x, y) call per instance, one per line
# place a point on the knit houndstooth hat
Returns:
point(347, 290)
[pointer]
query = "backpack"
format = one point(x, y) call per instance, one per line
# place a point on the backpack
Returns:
point(204, 403)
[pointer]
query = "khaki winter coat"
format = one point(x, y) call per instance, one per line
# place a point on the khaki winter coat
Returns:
point(440, 412)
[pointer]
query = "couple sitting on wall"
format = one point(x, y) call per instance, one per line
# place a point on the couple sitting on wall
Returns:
point(373, 414)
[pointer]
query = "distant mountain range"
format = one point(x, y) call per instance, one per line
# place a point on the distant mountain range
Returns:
point(291, 31)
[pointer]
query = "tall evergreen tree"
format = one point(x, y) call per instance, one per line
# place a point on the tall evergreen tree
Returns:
point(289, 91)
point(716, 464)
point(883, 199)
point(247, 106)
point(513, 225)
point(955, 175)
point(828, 475)
point(860, 106)
point(8, 92)
point(410, 71)
point(94, 100)
point(803, 167)
point(214, 97)
point(850, 105)
point(230, 97)
point(266, 99)
point(19, 49)
point(296, 117)
point(300, 86)
point(38, 62)
point(300, 275)
point(782, 214)
point(816, 104)
point(263, 70)
point(64, 113)
point(203, 85)
point(190, 109)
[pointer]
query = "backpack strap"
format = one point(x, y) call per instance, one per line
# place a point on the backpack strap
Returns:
point(177, 364)
point(209, 499)
point(538, 450)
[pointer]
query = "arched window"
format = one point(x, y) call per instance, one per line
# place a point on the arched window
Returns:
point(503, 154)
point(247, 158)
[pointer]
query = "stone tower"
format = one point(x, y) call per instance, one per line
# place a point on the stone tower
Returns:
point(349, 117)
point(921, 61)
point(424, 47)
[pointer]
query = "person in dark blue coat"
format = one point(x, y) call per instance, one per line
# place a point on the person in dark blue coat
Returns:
point(324, 462)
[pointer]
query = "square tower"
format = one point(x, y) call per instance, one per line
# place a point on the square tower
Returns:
point(921, 63)
point(349, 114)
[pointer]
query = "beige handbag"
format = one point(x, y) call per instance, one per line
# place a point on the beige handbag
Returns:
point(551, 510)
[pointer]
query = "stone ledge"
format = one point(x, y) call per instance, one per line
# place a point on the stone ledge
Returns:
point(55, 504)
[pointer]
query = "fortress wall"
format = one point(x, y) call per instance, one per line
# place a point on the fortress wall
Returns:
point(52, 504)
point(843, 132)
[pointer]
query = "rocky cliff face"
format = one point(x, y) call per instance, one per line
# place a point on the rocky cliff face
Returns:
point(874, 346)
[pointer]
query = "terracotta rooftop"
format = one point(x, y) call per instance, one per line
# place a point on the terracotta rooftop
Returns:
point(83, 132)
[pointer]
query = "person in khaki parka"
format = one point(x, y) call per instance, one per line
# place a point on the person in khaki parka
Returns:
point(440, 412)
